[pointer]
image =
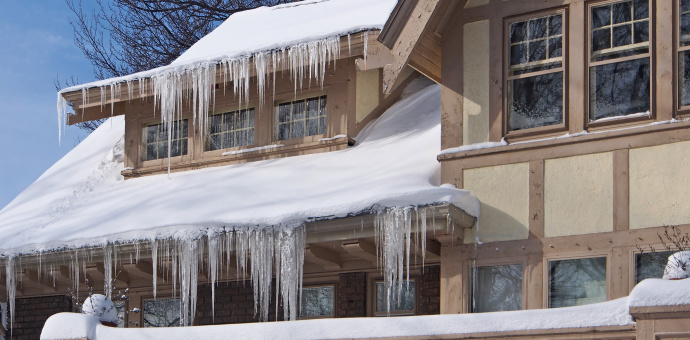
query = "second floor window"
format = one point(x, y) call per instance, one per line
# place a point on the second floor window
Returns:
point(231, 129)
point(684, 54)
point(300, 118)
point(535, 72)
point(156, 140)
point(619, 65)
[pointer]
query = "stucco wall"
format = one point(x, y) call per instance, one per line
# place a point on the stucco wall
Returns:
point(475, 84)
point(504, 195)
point(660, 185)
point(367, 96)
point(578, 195)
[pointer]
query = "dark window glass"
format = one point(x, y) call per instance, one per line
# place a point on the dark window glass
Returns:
point(401, 301)
point(237, 129)
point(619, 88)
point(536, 101)
point(162, 313)
point(156, 140)
point(306, 117)
point(684, 78)
point(577, 282)
point(651, 265)
point(496, 288)
point(317, 301)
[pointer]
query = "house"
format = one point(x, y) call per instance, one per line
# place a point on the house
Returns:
point(320, 170)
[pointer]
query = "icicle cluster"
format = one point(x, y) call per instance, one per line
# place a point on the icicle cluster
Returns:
point(275, 251)
point(394, 234)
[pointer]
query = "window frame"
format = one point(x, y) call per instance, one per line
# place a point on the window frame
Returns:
point(651, 55)
point(577, 256)
point(291, 99)
point(681, 111)
point(335, 299)
point(565, 48)
point(494, 263)
point(159, 161)
point(207, 135)
point(634, 253)
point(143, 300)
point(371, 296)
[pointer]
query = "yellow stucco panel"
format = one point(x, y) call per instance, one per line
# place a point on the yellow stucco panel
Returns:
point(475, 82)
point(578, 195)
point(660, 185)
point(504, 195)
point(367, 92)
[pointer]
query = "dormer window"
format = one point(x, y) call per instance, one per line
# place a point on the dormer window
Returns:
point(156, 140)
point(300, 118)
point(231, 129)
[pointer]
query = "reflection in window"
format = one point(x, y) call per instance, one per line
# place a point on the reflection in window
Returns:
point(535, 73)
point(156, 140)
point(496, 288)
point(121, 307)
point(651, 265)
point(619, 74)
point(231, 129)
point(162, 313)
point(402, 302)
point(306, 117)
point(577, 282)
point(317, 301)
point(684, 54)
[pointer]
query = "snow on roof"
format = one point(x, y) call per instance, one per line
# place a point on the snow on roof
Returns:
point(269, 28)
point(660, 292)
point(83, 200)
point(612, 313)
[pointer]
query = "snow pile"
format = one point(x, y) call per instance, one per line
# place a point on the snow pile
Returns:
point(612, 313)
point(100, 307)
point(659, 292)
point(302, 37)
point(83, 201)
point(678, 266)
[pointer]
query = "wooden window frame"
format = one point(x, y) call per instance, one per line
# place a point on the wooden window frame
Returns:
point(542, 130)
point(619, 120)
point(335, 298)
point(371, 293)
point(296, 140)
point(207, 142)
point(547, 272)
point(494, 263)
point(143, 298)
point(682, 111)
point(157, 161)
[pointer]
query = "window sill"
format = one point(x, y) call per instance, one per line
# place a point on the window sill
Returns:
point(536, 133)
point(567, 139)
point(638, 119)
point(260, 153)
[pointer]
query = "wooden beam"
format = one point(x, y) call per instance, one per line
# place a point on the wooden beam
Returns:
point(31, 278)
point(433, 248)
point(120, 275)
point(363, 250)
point(328, 259)
point(95, 112)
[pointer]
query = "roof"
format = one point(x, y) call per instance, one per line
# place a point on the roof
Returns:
point(268, 28)
point(84, 201)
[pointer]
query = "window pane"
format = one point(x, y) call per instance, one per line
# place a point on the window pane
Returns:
point(402, 300)
point(684, 5)
point(121, 307)
point(651, 265)
point(537, 50)
point(537, 28)
point(518, 54)
point(641, 9)
point(497, 288)
point(601, 39)
point(151, 133)
point(619, 89)
point(535, 101)
point(622, 35)
point(684, 78)
point(577, 282)
point(317, 301)
point(162, 313)
point(518, 32)
point(601, 16)
point(622, 12)
point(641, 31)
point(555, 25)
point(308, 118)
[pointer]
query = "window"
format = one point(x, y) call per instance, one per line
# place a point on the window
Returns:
point(231, 129)
point(402, 302)
point(156, 140)
point(300, 118)
point(317, 302)
point(121, 307)
point(684, 53)
point(496, 288)
point(162, 312)
point(619, 59)
point(577, 282)
point(651, 265)
point(535, 72)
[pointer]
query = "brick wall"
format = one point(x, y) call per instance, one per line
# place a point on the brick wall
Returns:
point(352, 295)
point(430, 291)
point(31, 313)
point(234, 304)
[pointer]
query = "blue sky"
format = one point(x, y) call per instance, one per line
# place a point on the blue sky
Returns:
point(36, 46)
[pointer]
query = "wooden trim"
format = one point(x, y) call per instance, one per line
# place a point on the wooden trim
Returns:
point(604, 332)
point(621, 187)
point(396, 22)
point(536, 199)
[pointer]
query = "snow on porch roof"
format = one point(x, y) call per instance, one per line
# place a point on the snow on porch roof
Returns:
point(269, 28)
point(83, 200)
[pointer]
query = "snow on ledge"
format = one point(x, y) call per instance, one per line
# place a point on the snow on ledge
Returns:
point(612, 313)
point(660, 292)
point(259, 148)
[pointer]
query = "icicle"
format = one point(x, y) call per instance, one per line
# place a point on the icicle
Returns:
point(11, 284)
point(214, 252)
point(366, 47)
point(154, 258)
point(104, 92)
point(62, 115)
point(349, 45)
point(108, 270)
